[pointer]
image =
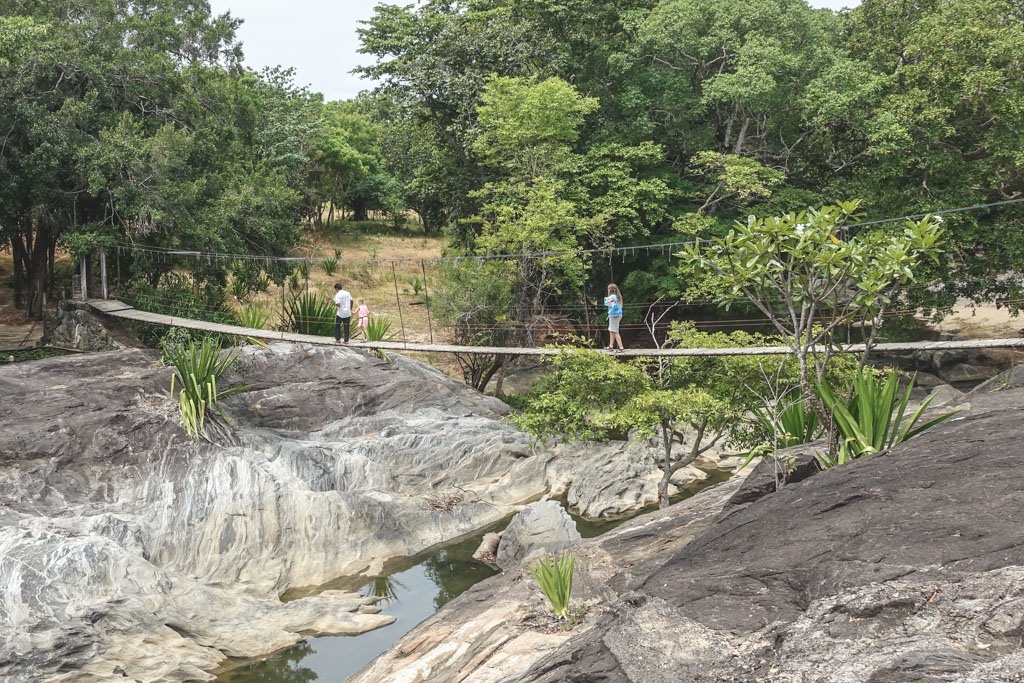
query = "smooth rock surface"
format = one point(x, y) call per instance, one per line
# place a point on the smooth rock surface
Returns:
point(907, 566)
point(540, 526)
point(130, 551)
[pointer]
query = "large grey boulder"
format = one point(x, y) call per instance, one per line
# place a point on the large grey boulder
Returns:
point(906, 566)
point(540, 526)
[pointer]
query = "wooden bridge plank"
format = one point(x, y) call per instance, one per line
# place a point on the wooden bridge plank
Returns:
point(119, 309)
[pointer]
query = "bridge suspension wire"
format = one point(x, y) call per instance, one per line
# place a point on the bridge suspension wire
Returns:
point(610, 251)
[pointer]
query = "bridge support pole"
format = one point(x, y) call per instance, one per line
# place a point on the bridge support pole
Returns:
point(398, 300)
point(103, 273)
point(83, 287)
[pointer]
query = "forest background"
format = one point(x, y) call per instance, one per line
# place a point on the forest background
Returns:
point(554, 130)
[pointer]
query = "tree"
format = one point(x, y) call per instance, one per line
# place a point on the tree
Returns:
point(134, 122)
point(689, 405)
point(348, 171)
point(945, 131)
point(809, 277)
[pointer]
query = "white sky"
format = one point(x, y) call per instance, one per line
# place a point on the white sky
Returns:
point(318, 38)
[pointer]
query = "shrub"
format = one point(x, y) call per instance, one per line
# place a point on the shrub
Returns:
point(379, 328)
point(330, 266)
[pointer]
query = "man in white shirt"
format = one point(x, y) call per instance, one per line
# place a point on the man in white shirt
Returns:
point(343, 300)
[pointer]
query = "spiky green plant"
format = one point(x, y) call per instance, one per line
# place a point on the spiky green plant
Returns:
point(310, 313)
point(253, 315)
point(792, 424)
point(873, 419)
point(554, 576)
point(197, 370)
point(379, 328)
point(330, 266)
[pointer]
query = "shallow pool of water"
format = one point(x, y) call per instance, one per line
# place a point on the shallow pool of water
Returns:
point(412, 590)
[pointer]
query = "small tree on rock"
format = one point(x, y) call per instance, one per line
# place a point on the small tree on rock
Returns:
point(809, 277)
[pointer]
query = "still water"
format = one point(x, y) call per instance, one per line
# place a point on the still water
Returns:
point(412, 590)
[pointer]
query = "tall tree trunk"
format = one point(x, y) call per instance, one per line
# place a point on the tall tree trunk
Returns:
point(32, 248)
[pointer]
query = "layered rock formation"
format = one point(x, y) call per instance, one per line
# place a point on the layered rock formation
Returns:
point(907, 566)
point(130, 551)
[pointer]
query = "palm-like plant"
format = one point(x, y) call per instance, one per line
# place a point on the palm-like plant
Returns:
point(309, 313)
point(379, 328)
point(197, 370)
point(873, 419)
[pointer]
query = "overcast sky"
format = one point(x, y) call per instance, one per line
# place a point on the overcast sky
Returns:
point(318, 38)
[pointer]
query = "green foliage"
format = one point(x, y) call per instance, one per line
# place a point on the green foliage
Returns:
point(379, 328)
point(732, 181)
point(151, 135)
point(253, 316)
point(309, 313)
point(873, 419)
point(554, 576)
point(198, 370)
point(529, 127)
point(581, 396)
point(330, 266)
point(808, 277)
point(416, 284)
point(183, 296)
point(793, 423)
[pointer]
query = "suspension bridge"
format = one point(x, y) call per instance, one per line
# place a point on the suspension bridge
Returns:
point(118, 309)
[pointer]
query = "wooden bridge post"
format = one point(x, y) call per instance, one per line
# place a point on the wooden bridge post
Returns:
point(426, 300)
point(103, 272)
point(398, 300)
point(83, 287)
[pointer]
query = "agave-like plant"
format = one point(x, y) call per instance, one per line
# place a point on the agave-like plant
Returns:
point(253, 315)
point(310, 313)
point(873, 419)
point(379, 329)
point(197, 370)
point(330, 265)
point(792, 423)
point(554, 576)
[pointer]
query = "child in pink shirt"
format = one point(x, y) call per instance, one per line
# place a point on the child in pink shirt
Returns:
point(363, 313)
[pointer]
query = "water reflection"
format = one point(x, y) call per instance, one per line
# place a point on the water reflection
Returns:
point(412, 590)
point(283, 667)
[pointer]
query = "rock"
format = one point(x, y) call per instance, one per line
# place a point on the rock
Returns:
point(76, 326)
point(488, 550)
point(938, 361)
point(791, 465)
point(126, 545)
point(544, 525)
point(944, 395)
point(617, 478)
point(927, 380)
point(965, 372)
point(519, 379)
point(1008, 379)
point(485, 634)
point(902, 566)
